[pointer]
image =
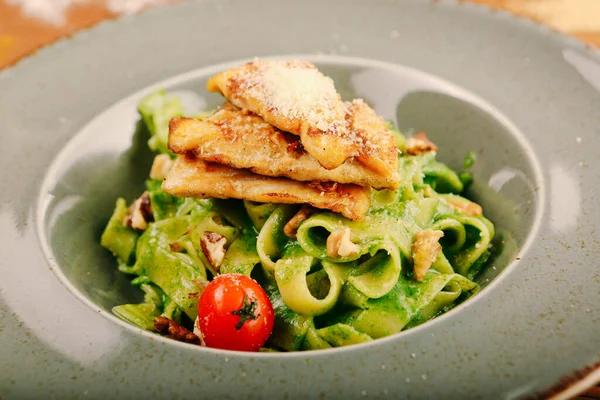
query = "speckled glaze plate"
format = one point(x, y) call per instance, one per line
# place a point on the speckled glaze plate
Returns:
point(524, 98)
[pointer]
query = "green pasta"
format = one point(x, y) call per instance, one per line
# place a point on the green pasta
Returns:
point(157, 110)
point(118, 237)
point(175, 273)
point(291, 277)
point(322, 299)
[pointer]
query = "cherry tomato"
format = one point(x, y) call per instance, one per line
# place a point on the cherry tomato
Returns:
point(235, 313)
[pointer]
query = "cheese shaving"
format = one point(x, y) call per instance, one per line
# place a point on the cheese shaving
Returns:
point(295, 89)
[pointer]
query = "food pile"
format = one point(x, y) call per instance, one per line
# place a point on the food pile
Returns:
point(288, 219)
point(284, 136)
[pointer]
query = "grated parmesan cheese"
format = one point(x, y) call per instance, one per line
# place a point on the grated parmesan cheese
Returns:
point(296, 97)
point(296, 90)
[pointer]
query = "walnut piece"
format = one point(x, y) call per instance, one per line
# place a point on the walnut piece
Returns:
point(160, 167)
point(291, 228)
point(140, 213)
point(175, 331)
point(175, 247)
point(425, 249)
point(213, 246)
point(465, 206)
point(340, 245)
point(419, 144)
point(198, 332)
point(428, 191)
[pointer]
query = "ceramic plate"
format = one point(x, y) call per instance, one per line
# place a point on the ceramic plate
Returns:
point(524, 98)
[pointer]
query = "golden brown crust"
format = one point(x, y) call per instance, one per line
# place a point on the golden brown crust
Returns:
point(194, 178)
point(239, 139)
point(378, 150)
point(295, 97)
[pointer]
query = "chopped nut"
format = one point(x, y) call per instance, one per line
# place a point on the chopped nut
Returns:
point(176, 247)
point(213, 246)
point(161, 324)
point(465, 206)
point(175, 331)
point(419, 144)
point(198, 332)
point(425, 249)
point(291, 228)
point(339, 244)
point(140, 213)
point(160, 167)
point(428, 191)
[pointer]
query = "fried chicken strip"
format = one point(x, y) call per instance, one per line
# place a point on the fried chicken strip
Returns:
point(240, 139)
point(190, 177)
point(295, 97)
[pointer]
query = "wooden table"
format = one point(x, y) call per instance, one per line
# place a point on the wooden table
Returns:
point(21, 33)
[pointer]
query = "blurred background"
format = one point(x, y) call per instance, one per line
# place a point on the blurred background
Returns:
point(26, 25)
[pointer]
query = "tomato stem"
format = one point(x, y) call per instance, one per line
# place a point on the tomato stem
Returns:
point(246, 312)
